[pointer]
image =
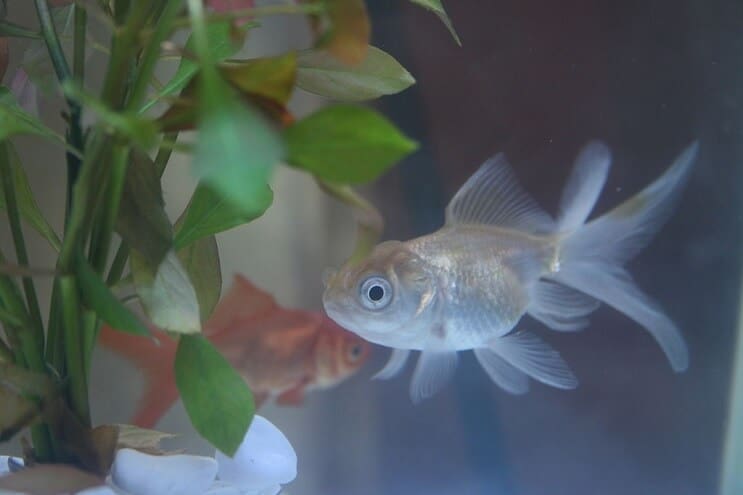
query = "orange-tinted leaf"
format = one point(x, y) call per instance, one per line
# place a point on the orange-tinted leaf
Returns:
point(265, 83)
point(350, 30)
point(270, 77)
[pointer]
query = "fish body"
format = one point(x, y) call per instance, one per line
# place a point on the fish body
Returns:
point(280, 353)
point(499, 257)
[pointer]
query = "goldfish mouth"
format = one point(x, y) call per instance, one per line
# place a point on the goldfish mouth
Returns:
point(328, 275)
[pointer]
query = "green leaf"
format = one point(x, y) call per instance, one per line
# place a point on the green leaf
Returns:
point(237, 148)
point(166, 292)
point(208, 213)
point(216, 398)
point(200, 259)
point(379, 74)
point(15, 120)
point(27, 205)
point(224, 42)
point(437, 8)
point(346, 144)
point(99, 298)
point(142, 220)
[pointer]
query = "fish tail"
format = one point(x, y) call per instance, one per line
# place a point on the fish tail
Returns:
point(154, 357)
point(592, 255)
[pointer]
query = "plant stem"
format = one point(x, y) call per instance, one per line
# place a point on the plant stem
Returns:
point(163, 154)
point(117, 266)
point(54, 352)
point(74, 342)
point(52, 40)
point(15, 31)
point(368, 218)
point(101, 244)
point(152, 52)
point(5, 353)
point(78, 56)
point(14, 218)
point(124, 46)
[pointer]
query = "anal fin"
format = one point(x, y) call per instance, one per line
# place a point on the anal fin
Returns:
point(502, 373)
point(559, 307)
point(531, 355)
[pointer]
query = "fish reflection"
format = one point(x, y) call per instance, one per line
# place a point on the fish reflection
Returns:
point(281, 353)
point(500, 256)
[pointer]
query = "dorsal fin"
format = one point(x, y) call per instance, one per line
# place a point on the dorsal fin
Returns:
point(493, 196)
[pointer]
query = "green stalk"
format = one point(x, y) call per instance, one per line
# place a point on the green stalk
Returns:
point(5, 353)
point(124, 47)
point(14, 218)
point(9, 318)
point(91, 328)
point(52, 40)
point(118, 264)
point(15, 31)
point(54, 353)
point(151, 53)
point(78, 55)
point(25, 353)
point(74, 342)
point(101, 244)
point(82, 191)
point(369, 221)
point(163, 154)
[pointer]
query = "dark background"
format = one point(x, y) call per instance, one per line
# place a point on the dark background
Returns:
point(537, 79)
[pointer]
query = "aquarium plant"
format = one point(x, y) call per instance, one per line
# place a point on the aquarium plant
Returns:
point(120, 135)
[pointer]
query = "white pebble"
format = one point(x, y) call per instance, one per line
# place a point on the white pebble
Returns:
point(5, 467)
point(264, 460)
point(222, 488)
point(144, 474)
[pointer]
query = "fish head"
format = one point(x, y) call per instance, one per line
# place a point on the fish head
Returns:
point(386, 298)
point(339, 354)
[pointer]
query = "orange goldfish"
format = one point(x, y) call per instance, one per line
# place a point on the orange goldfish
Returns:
point(279, 352)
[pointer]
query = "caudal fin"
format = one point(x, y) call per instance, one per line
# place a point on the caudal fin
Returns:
point(155, 359)
point(592, 254)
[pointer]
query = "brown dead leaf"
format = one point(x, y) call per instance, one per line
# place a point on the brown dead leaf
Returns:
point(50, 479)
point(142, 439)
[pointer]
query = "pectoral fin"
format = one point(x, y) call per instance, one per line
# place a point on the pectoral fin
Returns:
point(433, 370)
point(292, 397)
point(531, 355)
point(394, 365)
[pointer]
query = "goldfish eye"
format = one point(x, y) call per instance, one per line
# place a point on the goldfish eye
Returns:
point(355, 352)
point(375, 292)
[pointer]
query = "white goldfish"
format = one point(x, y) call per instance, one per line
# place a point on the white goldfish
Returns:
point(500, 256)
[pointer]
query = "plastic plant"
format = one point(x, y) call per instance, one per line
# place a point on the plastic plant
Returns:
point(116, 230)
